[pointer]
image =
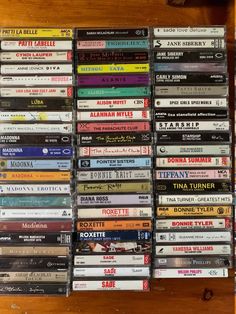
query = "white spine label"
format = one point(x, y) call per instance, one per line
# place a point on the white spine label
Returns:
point(207, 249)
point(136, 285)
point(110, 259)
point(35, 189)
point(167, 237)
point(189, 43)
point(35, 213)
point(36, 45)
point(191, 102)
point(174, 150)
point(112, 115)
point(189, 32)
point(162, 224)
point(36, 80)
point(193, 126)
point(191, 273)
point(35, 128)
point(112, 272)
point(204, 199)
point(36, 68)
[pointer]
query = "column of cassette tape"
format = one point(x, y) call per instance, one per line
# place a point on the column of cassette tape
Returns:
point(114, 150)
point(36, 159)
point(193, 154)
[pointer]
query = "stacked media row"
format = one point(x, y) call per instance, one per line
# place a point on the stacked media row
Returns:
point(114, 153)
point(36, 104)
point(192, 162)
point(136, 157)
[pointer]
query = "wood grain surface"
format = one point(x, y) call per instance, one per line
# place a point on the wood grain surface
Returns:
point(186, 296)
point(114, 13)
point(167, 297)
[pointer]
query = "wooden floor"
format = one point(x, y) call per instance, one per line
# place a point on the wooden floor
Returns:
point(167, 297)
point(186, 296)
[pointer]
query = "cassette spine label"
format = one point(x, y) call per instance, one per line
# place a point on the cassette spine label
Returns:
point(139, 285)
point(202, 199)
point(193, 174)
point(201, 236)
point(117, 103)
point(115, 139)
point(112, 33)
point(111, 259)
point(193, 162)
point(192, 262)
point(106, 199)
point(91, 127)
point(207, 249)
point(190, 273)
point(131, 235)
point(111, 272)
point(113, 175)
point(192, 32)
point(194, 211)
point(175, 187)
point(216, 43)
point(166, 224)
point(195, 103)
point(114, 212)
point(170, 56)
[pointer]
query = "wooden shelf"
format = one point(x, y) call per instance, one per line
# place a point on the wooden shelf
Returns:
point(169, 296)
point(184, 296)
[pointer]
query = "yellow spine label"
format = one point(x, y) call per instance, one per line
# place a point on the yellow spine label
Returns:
point(35, 176)
point(178, 211)
point(113, 68)
point(36, 33)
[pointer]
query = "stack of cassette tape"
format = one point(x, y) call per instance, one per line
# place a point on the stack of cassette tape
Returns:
point(114, 151)
point(193, 155)
point(36, 86)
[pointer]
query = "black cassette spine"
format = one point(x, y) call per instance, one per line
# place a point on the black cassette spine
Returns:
point(193, 262)
point(47, 263)
point(57, 238)
point(186, 137)
point(52, 139)
point(169, 56)
point(33, 289)
point(49, 104)
point(115, 139)
point(192, 187)
point(163, 78)
point(112, 33)
point(111, 56)
point(193, 113)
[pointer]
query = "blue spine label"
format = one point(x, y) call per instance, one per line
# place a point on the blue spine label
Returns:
point(114, 92)
point(142, 43)
point(115, 163)
point(36, 164)
point(34, 151)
